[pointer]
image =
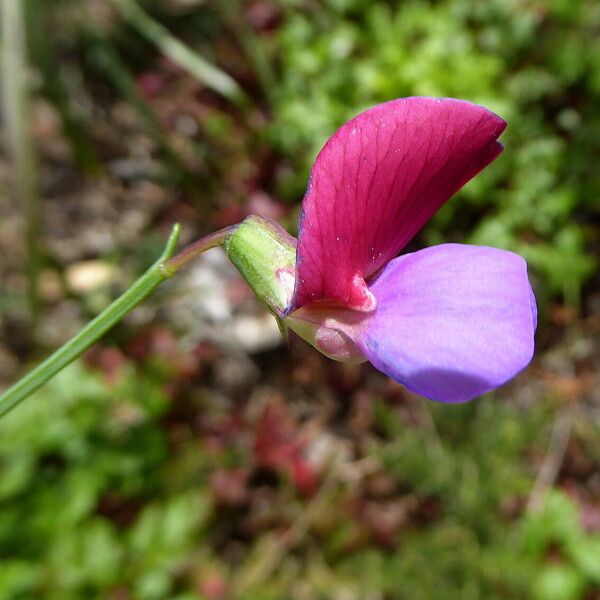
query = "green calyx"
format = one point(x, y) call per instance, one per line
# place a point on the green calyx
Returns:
point(265, 255)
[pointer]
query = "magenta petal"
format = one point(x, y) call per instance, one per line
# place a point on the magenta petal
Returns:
point(452, 321)
point(376, 182)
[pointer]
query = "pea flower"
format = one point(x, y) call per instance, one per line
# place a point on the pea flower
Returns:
point(450, 322)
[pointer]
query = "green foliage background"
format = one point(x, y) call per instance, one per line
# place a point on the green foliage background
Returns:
point(82, 446)
point(97, 501)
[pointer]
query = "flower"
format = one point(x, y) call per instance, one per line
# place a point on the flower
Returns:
point(450, 322)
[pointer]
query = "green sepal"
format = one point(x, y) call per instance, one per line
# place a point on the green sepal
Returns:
point(265, 255)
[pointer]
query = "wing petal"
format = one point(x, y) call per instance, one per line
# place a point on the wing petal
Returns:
point(452, 321)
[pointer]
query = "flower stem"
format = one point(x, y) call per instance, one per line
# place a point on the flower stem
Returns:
point(202, 245)
point(94, 330)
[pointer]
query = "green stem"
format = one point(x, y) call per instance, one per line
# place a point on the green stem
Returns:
point(17, 121)
point(179, 53)
point(94, 330)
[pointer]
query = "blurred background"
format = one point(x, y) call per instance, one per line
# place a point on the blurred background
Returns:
point(190, 455)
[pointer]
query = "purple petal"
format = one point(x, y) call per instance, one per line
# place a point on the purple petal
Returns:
point(452, 321)
point(376, 182)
